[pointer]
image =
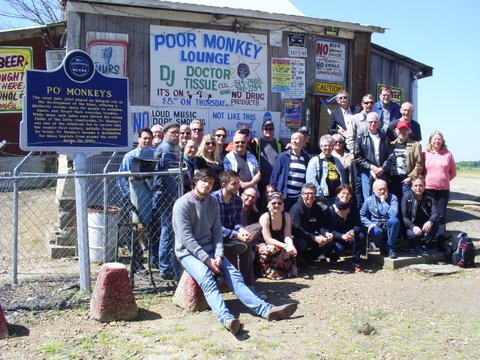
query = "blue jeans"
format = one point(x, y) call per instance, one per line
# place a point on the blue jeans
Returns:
point(386, 239)
point(166, 253)
point(234, 280)
point(366, 184)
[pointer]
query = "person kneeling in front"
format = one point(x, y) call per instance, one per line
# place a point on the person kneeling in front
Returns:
point(199, 248)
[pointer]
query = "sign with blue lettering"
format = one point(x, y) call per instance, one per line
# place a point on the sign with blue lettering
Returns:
point(207, 68)
point(230, 119)
point(74, 108)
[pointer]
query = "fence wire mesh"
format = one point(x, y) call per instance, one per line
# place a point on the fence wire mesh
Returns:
point(38, 227)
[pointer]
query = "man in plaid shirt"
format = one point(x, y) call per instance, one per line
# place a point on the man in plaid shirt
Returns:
point(236, 239)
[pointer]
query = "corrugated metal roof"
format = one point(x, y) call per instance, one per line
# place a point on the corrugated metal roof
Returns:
point(225, 9)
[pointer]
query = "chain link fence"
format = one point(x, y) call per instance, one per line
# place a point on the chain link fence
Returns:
point(38, 227)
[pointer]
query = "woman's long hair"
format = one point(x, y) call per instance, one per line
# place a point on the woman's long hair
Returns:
point(215, 157)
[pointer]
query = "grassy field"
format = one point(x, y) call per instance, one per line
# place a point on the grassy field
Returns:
point(469, 172)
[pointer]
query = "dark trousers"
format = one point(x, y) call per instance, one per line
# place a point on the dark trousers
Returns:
point(310, 250)
point(441, 197)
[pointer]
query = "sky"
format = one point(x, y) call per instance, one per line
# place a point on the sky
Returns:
point(442, 34)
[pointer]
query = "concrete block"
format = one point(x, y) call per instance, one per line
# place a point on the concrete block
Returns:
point(189, 295)
point(112, 298)
point(404, 259)
point(3, 324)
point(58, 252)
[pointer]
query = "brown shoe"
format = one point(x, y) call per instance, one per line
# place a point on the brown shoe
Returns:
point(233, 325)
point(281, 312)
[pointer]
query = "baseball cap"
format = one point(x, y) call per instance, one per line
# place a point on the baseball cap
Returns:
point(303, 130)
point(268, 123)
point(403, 125)
point(166, 127)
point(244, 130)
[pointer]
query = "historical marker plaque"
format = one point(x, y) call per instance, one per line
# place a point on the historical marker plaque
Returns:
point(75, 109)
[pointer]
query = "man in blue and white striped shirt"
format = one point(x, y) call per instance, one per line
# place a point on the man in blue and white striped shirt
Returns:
point(288, 174)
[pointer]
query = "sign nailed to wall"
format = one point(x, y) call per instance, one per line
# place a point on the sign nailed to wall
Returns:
point(13, 63)
point(230, 119)
point(108, 52)
point(331, 61)
point(207, 68)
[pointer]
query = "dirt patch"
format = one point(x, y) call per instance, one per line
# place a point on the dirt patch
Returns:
point(378, 314)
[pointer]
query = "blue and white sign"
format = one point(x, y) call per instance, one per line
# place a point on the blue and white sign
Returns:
point(74, 108)
point(207, 68)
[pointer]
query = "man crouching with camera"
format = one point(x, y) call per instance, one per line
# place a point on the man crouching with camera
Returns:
point(379, 216)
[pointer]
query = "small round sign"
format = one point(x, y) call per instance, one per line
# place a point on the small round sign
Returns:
point(79, 66)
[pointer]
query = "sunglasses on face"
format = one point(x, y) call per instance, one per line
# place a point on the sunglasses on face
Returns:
point(197, 129)
point(209, 143)
point(268, 129)
point(220, 135)
point(240, 142)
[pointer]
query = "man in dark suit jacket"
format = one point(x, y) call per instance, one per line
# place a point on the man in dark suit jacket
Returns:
point(341, 118)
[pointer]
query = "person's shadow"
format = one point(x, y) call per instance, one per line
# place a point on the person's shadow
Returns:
point(15, 330)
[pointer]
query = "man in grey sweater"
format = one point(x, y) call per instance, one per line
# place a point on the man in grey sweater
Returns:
point(199, 248)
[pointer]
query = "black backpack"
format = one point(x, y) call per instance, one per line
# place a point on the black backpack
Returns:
point(463, 251)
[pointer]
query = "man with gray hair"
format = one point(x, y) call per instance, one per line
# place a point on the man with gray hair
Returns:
point(157, 131)
point(325, 171)
point(371, 154)
point(379, 216)
point(341, 119)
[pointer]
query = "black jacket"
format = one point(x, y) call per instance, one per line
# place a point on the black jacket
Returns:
point(307, 222)
point(336, 119)
point(365, 152)
point(410, 208)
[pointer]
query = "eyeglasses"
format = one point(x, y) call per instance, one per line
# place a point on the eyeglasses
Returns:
point(184, 133)
point(197, 129)
point(221, 135)
point(268, 129)
point(240, 142)
point(209, 143)
point(368, 102)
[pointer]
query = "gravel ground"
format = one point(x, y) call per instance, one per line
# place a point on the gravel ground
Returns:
point(378, 314)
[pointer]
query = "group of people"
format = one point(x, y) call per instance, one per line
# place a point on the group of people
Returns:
point(256, 208)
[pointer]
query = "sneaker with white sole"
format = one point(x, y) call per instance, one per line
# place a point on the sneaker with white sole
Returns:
point(281, 312)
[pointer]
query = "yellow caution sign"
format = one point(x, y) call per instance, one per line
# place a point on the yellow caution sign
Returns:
point(327, 88)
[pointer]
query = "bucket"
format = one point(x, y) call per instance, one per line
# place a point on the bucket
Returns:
point(96, 228)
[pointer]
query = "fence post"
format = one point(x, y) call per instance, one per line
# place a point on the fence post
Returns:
point(82, 226)
point(15, 219)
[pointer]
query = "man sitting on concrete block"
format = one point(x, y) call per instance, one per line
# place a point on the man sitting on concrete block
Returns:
point(199, 248)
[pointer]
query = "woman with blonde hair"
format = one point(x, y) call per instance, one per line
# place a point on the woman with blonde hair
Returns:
point(208, 157)
point(275, 258)
point(439, 169)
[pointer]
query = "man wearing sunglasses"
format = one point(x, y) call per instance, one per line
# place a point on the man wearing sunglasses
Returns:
point(221, 140)
point(243, 162)
point(341, 119)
